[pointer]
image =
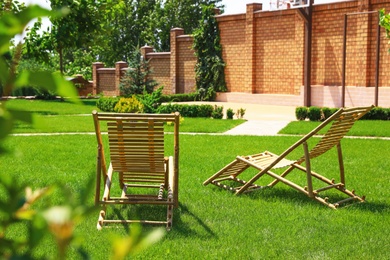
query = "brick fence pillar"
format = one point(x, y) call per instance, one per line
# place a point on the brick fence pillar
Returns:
point(95, 77)
point(145, 50)
point(250, 31)
point(363, 32)
point(175, 32)
point(118, 75)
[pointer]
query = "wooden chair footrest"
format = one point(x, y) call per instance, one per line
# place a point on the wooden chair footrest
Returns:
point(337, 186)
point(136, 200)
point(123, 221)
point(347, 200)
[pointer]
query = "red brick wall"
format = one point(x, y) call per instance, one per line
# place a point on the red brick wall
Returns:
point(264, 52)
point(186, 65)
point(232, 32)
point(279, 53)
point(160, 67)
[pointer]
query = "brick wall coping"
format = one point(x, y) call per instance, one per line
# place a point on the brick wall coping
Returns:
point(272, 13)
point(106, 69)
point(159, 55)
point(184, 36)
point(184, 39)
point(230, 17)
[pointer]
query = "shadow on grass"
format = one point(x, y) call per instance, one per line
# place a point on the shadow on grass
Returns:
point(89, 102)
point(159, 213)
point(46, 113)
point(184, 229)
point(292, 196)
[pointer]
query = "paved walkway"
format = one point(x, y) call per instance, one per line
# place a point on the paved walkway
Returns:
point(262, 119)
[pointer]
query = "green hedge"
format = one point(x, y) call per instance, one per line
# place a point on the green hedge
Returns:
point(180, 97)
point(314, 113)
point(107, 104)
point(187, 110)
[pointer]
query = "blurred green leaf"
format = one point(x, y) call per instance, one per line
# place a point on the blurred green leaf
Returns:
point(136, 242)
point(51, 81)
point(13, 24)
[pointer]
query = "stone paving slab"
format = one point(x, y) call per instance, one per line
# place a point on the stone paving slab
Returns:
point(262, 119)
point(258, 127)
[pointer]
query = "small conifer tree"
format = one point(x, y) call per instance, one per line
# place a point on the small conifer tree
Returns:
point(137, 80)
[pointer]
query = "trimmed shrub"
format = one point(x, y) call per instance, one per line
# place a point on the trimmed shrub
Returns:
point(151, 102)
point(107, 104)
point(129, 105)
point(301, 113)
point(377, 113)
point(326, 113)
point(334, 110)
point(314, 113)
point(180, 97)
point(317, 114)
point(387, 111)
point(229, 113)
point(187, 110)
point(218, 112)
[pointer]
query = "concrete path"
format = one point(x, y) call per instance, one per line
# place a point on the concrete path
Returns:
point(262, 119)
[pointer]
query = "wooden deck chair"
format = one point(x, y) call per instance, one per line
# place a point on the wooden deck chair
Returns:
point(136, 151)
point(341, 122)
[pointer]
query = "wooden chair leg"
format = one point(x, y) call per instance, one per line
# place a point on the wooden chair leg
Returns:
point(102, 215)
point(169, 217)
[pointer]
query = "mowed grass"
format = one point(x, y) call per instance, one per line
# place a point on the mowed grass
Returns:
point(212, 223)
point(374, 128)
point(65, 117)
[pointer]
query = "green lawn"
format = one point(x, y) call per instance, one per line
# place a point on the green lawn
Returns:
point(374, 128)
point(60, 116)
point(211, 223)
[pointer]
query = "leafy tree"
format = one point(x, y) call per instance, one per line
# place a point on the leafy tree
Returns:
point(75, 30)
point(67, 34)
point(209, 69)
point(185, 14)
point(384, 21)
point(136, 80)
point(125, 26)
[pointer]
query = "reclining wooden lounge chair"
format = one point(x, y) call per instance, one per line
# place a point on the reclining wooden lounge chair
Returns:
point(341, 122)
point(145, 175)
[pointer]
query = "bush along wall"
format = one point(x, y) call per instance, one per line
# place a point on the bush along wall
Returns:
point(314, 113)
point(118, 104)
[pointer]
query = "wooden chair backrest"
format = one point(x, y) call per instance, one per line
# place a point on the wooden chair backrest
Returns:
point(341, 122)
point(136, 144)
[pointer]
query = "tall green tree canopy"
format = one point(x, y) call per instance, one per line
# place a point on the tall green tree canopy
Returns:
point(186, 14)
point(124, 26)
point(108, 31)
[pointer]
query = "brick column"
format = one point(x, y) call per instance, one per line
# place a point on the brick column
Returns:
point(118, 75)
point(250, 30)
point(145, 50)
point(175, 32)
point(364, 30)
point(95, 77)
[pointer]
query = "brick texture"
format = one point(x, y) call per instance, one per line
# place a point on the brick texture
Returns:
point(264, 55)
